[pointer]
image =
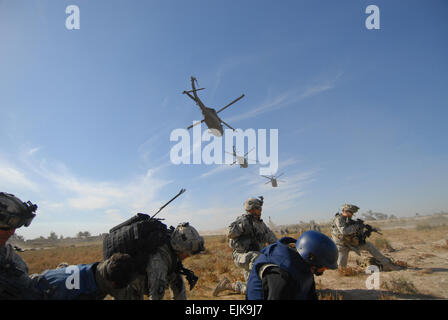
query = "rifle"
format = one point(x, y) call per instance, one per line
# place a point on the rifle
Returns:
point(191, 277)
point(362, 235)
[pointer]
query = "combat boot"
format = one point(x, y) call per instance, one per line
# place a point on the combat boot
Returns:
point(223, 285)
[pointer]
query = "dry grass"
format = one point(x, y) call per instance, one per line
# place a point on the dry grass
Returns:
point(425, 271)
point(40, 260)
point(442, 246)
point(427, 255)
point(400, 286)
point(333, 295)
point(383, 244)
point(350, 271)
point(386, 297)
point(216, 262)
point(423, 226)
point(401, 263)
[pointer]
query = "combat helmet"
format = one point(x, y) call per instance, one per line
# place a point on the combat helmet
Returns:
point(185, 238)
point(350, 207)
point(252, 203)
point(317, 249)
point(14, 213)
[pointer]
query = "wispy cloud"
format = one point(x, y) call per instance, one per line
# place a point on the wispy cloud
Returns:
point(33, 151)
point(283, 100)
point(60, 193)
point(12, 177)
point(216, 170)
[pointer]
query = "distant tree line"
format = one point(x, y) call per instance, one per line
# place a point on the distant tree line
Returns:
point(370, 215)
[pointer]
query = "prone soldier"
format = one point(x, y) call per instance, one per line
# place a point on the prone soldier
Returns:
point(17, 284)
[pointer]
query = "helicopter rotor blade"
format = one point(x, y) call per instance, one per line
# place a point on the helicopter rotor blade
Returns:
point(227, 125)
point(194, 90)
point(266, 177)
point(188, 94)
point(233, 163)
point(194, 124)
point(279, 175)
point(268, 182)
point(242, 96)
point(248, 152)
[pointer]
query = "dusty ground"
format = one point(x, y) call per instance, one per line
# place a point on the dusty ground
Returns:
point(424, 249)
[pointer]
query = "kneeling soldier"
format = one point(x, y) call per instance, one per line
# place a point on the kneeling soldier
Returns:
point(346, 233)
point(248, 235)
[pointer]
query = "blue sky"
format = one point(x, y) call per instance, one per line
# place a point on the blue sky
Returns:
point(87, 114)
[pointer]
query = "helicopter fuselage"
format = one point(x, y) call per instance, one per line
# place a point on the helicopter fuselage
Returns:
point(274, 182)
point(212, 120)
point(242, 161)
point(211, 117)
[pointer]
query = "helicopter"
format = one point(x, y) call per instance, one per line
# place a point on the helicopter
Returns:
point(273, 179)
point(211, 118)
point(242, 160)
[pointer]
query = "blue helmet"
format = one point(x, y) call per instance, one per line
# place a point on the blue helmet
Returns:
point(317, 249)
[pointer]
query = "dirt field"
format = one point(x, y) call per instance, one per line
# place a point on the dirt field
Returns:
point(424, 249)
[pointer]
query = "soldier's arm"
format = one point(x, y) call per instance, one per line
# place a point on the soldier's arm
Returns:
point(270, 236)
point(277, 284)
point(157, 272)
point(345, 229)
point(237, 229)
point(177, 287)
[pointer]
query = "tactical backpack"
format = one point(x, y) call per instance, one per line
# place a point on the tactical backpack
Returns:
point(138, 236)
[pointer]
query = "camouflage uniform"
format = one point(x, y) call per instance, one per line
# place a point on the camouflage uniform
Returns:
point(343, 233)
point(160, 275)
point(15, 269)
point(248, 236)
point(162, 269)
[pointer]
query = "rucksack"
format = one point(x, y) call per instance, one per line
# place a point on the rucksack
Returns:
point(138, 236)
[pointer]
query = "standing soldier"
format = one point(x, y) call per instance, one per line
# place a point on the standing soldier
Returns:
point(346, 234)
point(248, 234)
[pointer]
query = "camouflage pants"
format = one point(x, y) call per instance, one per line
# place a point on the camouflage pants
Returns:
point(344, 251)
point(245, 261)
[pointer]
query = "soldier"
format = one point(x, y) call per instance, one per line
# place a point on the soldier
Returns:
point(248, 235)
point(164, 267)
point(284, 273)
point(345, 232)
point(15, 281)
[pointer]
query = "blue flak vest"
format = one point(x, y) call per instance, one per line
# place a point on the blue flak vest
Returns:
point(287, 259)
point(65, 285)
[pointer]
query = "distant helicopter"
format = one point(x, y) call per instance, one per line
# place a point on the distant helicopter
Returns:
point(211, 118)
point(273, 179)
point(242, 160)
